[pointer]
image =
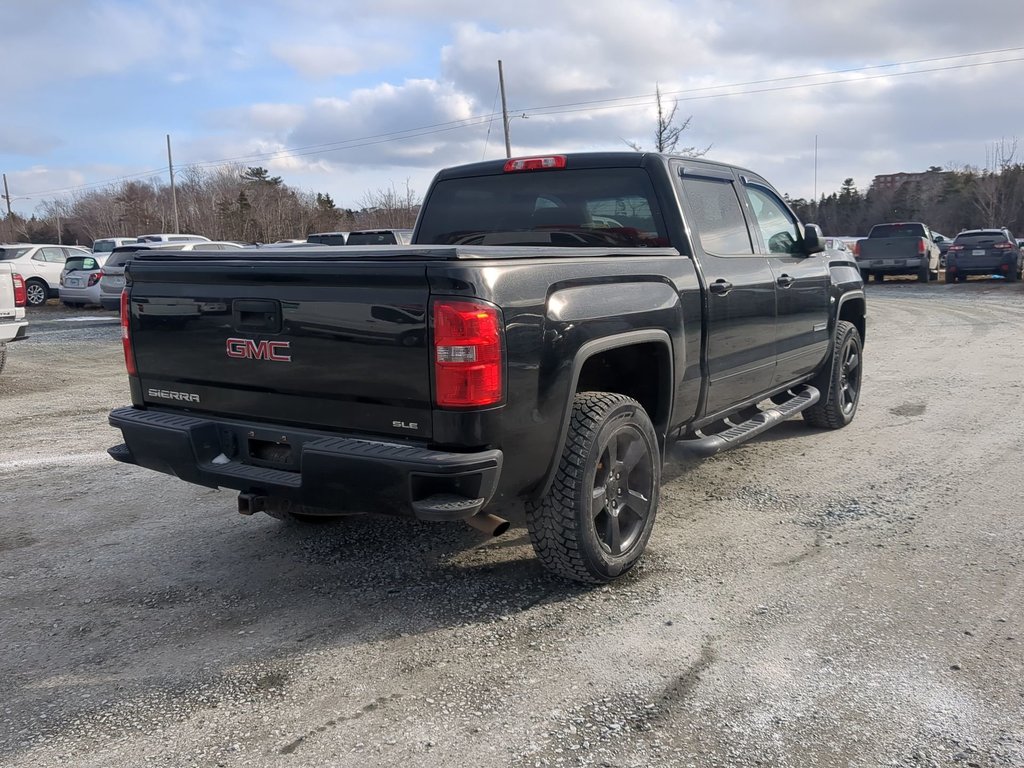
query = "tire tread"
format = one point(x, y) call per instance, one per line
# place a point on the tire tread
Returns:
point(551, 520)
point(824, 413)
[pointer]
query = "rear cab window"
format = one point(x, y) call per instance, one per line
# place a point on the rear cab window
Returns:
point(371, 238)
point(898, 230)
point(588, 207)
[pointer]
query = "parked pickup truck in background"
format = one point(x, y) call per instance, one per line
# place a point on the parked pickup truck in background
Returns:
point(904, 248)
point(13, 298)
point(556, 325)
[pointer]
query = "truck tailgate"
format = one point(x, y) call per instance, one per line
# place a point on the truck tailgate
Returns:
point(328, 344)
point(890, 248)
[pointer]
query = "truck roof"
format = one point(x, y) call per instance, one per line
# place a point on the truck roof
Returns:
point(583, 160)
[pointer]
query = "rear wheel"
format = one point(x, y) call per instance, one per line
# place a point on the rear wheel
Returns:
point(950, 277)
point(1011, 276)
point(923, 272)
point(36, 293)
point(839, 381)
point(595, 521)
point(879, 277)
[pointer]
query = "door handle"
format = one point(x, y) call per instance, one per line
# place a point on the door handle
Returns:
point(785, 281)
point(720, 287)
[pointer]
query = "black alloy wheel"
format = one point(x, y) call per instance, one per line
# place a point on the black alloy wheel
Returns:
point(595, 520)
point(839, 382)
point(622, 490)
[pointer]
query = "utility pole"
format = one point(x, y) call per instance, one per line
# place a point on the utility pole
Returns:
point(174, 195)
point(504, 110)
point(7, 197)
point(815, 169)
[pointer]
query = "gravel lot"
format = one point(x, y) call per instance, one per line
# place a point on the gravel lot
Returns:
point(809, 599)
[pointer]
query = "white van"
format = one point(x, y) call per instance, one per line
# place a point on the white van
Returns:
point(170, 238)
point(107, 244)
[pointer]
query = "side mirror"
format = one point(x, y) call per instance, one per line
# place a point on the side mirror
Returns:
point(814, 241)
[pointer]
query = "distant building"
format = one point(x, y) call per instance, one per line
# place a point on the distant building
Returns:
point(893, 181)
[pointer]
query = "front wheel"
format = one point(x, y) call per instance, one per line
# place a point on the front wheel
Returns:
point(36, 293)
point(594, 523)
point(839, 381)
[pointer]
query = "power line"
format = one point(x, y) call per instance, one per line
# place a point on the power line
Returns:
point(555, 111)
point(595, 105)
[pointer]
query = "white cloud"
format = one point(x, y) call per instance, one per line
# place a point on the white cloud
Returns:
point(323, 61)
point(342, 134)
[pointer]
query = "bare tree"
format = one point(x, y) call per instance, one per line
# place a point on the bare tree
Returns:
point(667, 132)
point(389, 208)
point(993, 191)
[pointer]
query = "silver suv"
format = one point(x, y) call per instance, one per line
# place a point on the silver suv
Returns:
point(112, 274)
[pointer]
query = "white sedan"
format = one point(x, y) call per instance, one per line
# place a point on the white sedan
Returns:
point(40, 266)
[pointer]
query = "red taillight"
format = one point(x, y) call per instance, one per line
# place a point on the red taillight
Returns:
point(921, 247)
point(534, 163)
point(93, 279)
point(956, 248)
point(856, 248)
point(126, 336)
point(467, 354)
point(1003, 246)
point(20, 295)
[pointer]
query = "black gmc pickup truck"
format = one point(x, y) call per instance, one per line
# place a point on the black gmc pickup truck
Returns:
point(556, 326)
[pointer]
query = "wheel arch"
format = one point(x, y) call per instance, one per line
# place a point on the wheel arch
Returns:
point(648, 351)
point(853, 309)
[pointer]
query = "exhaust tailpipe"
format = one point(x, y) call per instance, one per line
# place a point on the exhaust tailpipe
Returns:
point(492, 525)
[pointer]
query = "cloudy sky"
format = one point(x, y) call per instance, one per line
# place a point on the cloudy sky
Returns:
point(345, 97)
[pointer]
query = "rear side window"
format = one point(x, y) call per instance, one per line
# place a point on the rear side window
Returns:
point(716, 211)
point(595, 207)
point(10, 254)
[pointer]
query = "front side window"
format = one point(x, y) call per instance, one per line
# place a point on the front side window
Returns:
point(778, 228)
point(716, 211)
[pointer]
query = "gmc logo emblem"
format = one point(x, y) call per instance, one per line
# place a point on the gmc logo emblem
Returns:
point(251, 349)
